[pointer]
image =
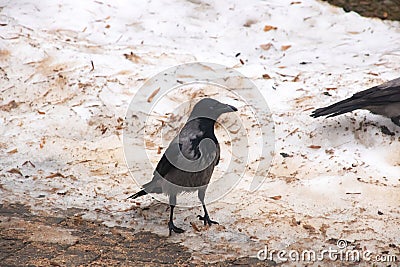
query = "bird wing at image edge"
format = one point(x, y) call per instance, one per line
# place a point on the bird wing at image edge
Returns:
point(375, 96)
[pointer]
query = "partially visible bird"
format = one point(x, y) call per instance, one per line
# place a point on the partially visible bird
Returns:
point(189, 160)
point(383, 99)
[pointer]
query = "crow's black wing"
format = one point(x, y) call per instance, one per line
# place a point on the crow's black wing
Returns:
point(171, 154)
point(163, 167)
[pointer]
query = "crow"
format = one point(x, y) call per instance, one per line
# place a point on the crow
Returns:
point(383, 99)
point(189, 160)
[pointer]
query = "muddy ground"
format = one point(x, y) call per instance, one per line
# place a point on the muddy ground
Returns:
point(387, 9)
point(65, 239)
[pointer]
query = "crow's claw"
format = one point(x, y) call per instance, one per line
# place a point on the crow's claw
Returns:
point(172, 227)
point(206, 220)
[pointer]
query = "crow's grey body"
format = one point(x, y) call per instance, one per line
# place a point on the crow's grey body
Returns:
point(173, 174)
point(188, 163)
point(383, 99)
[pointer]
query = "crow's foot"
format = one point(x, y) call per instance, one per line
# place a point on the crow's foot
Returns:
point(172, 227)
point(206, 219)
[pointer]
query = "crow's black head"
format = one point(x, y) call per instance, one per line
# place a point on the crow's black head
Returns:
point(210, 108)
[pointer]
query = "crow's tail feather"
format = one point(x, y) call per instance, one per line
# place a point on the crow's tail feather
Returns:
point(138, 194)
point(341, 107)
point(150, 187)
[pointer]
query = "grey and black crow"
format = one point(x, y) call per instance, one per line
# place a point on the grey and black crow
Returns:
point(383, 99)
point(189, 160)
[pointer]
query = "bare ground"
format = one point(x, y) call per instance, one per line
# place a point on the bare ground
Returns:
point(65, 239)
point(387, 9)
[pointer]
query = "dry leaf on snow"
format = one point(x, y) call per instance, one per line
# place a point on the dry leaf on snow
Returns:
point(269, 28)
point(276, 197)
point(266, 46)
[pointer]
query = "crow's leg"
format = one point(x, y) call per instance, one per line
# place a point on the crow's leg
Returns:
point(171, 225)
point(201, 193)
point(396, 120)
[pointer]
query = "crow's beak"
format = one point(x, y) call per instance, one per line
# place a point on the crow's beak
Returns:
point(229, 108)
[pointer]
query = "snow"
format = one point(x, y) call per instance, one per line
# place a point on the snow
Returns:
point(340, 171)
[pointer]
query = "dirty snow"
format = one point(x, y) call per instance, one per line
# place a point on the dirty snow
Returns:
point(62, 117)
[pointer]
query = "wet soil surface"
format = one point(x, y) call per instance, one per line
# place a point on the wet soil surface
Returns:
point(28, 239)
point(383, 9)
